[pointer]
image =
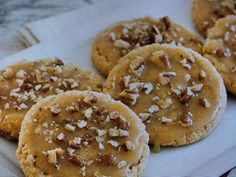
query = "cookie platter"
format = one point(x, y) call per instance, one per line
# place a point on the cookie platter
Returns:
point(181, 161)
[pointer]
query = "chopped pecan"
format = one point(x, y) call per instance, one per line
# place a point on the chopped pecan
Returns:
point(201, 75)
point(75, 143)
point(128, 97)
point(186, 119)
point(107, 159)
point(55, 110)
point(122, 123)
point(220, 52)
point(166, 21)
point(77, 160)
point(144, 116)
point(165, 77)
point(90, 99)
point(8, 73)
point(186, 95)
point(204, 102)
point(42, 77)
point(58, 61)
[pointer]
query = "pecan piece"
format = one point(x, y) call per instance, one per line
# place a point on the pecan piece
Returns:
point(186, 95)
point(186, 119)
point(77, 160)
point(55, 110)
point(122, 123)
point(107, 159)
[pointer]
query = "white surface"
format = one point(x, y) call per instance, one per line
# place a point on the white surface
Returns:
point(210, 157)
point(86, 22)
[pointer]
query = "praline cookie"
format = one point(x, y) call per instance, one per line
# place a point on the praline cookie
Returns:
point(176, 92)
point(206, 12)
point(23, 84)
point(220, 49)
point(82, 133)
point(120, 38)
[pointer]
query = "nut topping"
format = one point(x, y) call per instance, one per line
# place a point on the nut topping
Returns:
point(61, 136)
point(129, 145)
point(144, 116)
point(201, 75)
point(122, 123)
point(148, 87)
point(77, 160)
point(204, 102)
point(107, 159)
point(197, 87)
point(20, 74)
point(122, 164)
point(166, 119)
point(55, 110)
point(122, 44)
point(54, 154)
point(154, 108)
point(164, 103)
point(88, 113)
point(129, 97)
point(8, 73)
point(82, 123)
point(70, 127)
point(136, 64)
point(186, 95)
point(165, 77)
point(186, 119)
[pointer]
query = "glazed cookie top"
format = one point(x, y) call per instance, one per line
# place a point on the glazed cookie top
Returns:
point(23, 84)
point(82, 133)
point(220, 48)
point(173, 89)
point(207, 12)
point(119, 39)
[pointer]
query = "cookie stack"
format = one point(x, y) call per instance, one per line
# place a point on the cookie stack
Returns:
point(163, 87)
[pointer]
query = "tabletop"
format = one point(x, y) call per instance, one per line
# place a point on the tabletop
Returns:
point(15, 13)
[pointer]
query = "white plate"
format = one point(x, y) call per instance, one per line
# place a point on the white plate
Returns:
point(210, 157)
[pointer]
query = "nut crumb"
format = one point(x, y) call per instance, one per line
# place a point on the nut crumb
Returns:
point(70, 127)
point(204, 102)
point(55, 110)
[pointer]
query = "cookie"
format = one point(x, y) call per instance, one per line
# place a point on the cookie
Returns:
point(23, 84)
point(82, 133)
point(220, 49)
point(176, 92)
point(206, 12)
point(120, 38)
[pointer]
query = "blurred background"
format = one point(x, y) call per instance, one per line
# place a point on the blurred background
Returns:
point(15, 13)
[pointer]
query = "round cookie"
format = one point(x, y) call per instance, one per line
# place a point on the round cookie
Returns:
point(177, 93)
point(206, 12)
point(120, 38)
point(23, 84)
point(220, 49)
point(82, 133)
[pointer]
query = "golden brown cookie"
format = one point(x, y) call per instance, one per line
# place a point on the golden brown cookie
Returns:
point(23, 84)
point(206, 12)
point(220, 49)
point(177, 93)
point(82, 133)
point(120, 38)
